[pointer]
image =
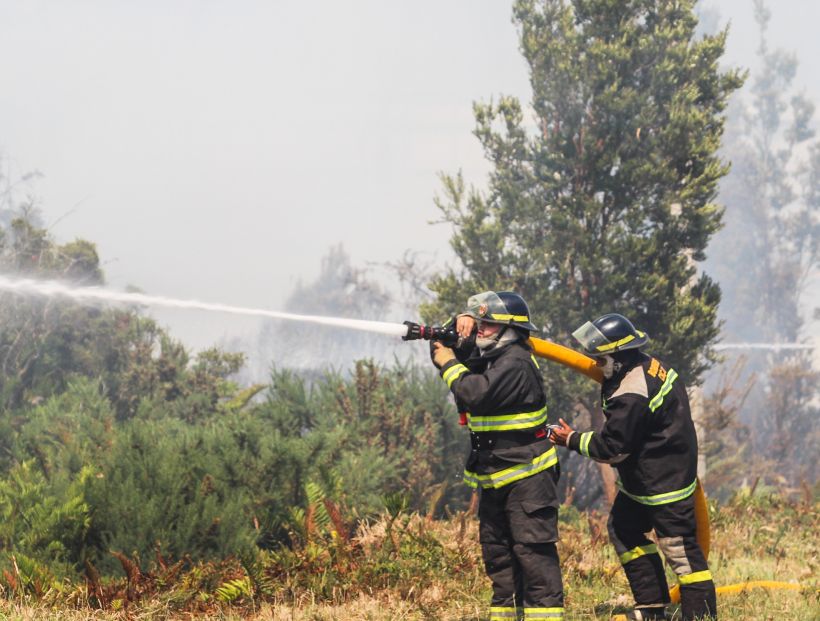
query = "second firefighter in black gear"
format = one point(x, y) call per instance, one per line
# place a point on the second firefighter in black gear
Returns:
point(649, 437)
point(512, 462)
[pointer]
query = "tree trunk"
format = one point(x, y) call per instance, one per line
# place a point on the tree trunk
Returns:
point(696, 407)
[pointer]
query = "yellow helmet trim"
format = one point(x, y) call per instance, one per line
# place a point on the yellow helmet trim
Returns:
point(623, 341)
point(521, 318)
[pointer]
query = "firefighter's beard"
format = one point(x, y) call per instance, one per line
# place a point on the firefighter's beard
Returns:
point(610, 367)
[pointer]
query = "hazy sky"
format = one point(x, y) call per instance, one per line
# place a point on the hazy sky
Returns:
point(215, 149)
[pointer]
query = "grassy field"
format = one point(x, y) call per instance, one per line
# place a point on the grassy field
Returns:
point(411, 568)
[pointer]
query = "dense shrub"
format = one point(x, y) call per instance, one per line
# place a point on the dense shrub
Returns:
point(200, 472)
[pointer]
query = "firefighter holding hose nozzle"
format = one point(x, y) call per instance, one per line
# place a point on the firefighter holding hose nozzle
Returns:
point(649, 437)
point(497, 383)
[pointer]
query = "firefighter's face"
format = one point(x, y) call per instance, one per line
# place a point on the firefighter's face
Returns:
point(488, 329)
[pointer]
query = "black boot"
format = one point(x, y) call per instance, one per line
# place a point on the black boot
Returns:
point(698, 601)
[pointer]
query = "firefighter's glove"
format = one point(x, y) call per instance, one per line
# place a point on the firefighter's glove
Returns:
point(442, 355)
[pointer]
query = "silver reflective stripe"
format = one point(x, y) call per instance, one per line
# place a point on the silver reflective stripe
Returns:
point(502, 613)
point(661, 499)
point(510, 475)
point(657, 400)
point(453, 373)
point(507, 422)
point(583, 447)
point(471, 478)
point(543, 613)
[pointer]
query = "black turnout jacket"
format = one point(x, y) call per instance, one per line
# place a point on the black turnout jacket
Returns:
point(648, 435)
point(502, 394)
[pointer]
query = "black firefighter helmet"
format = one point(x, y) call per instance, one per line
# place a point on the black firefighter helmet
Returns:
point(504, 307)
point(609, 334)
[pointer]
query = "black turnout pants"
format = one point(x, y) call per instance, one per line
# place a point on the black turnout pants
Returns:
point(674, 526)
point(518, 528)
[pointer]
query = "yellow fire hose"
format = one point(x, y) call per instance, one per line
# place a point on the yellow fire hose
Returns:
point(586, 365)
point(568, 357)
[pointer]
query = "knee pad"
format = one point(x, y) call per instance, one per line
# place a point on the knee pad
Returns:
point(674, 552)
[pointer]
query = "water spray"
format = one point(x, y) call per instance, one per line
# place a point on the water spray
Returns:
point(52, 288)
point(408, 330)
point(764, 346)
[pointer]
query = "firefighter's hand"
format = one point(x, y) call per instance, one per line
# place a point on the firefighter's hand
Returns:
point(442, 355)
point(465, 325)
point(560, 432)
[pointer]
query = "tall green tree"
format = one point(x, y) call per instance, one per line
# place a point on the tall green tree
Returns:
point(601, 199)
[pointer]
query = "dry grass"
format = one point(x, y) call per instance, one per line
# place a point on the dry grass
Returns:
point(753, 539)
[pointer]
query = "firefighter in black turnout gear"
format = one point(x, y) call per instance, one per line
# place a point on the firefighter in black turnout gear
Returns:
point(496, 382)
point(649, 437)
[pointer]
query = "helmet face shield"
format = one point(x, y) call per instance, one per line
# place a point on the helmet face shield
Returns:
point(483, 306)
point(590, 338)
point(609, 334)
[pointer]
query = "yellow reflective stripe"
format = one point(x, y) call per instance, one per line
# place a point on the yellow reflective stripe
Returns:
point(638, 552)
point(698, 576)
point(501, 613)
point(583, 447)
point(521, 318)
point(661, 499)
point(534, 361)
point(452, 370)
point(608, 346)
point(657, 400)
point(543, 613)
point(507, 422)
point(516, 473)
point(453, 373)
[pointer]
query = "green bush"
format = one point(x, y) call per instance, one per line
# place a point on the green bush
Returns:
point(199, 472)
